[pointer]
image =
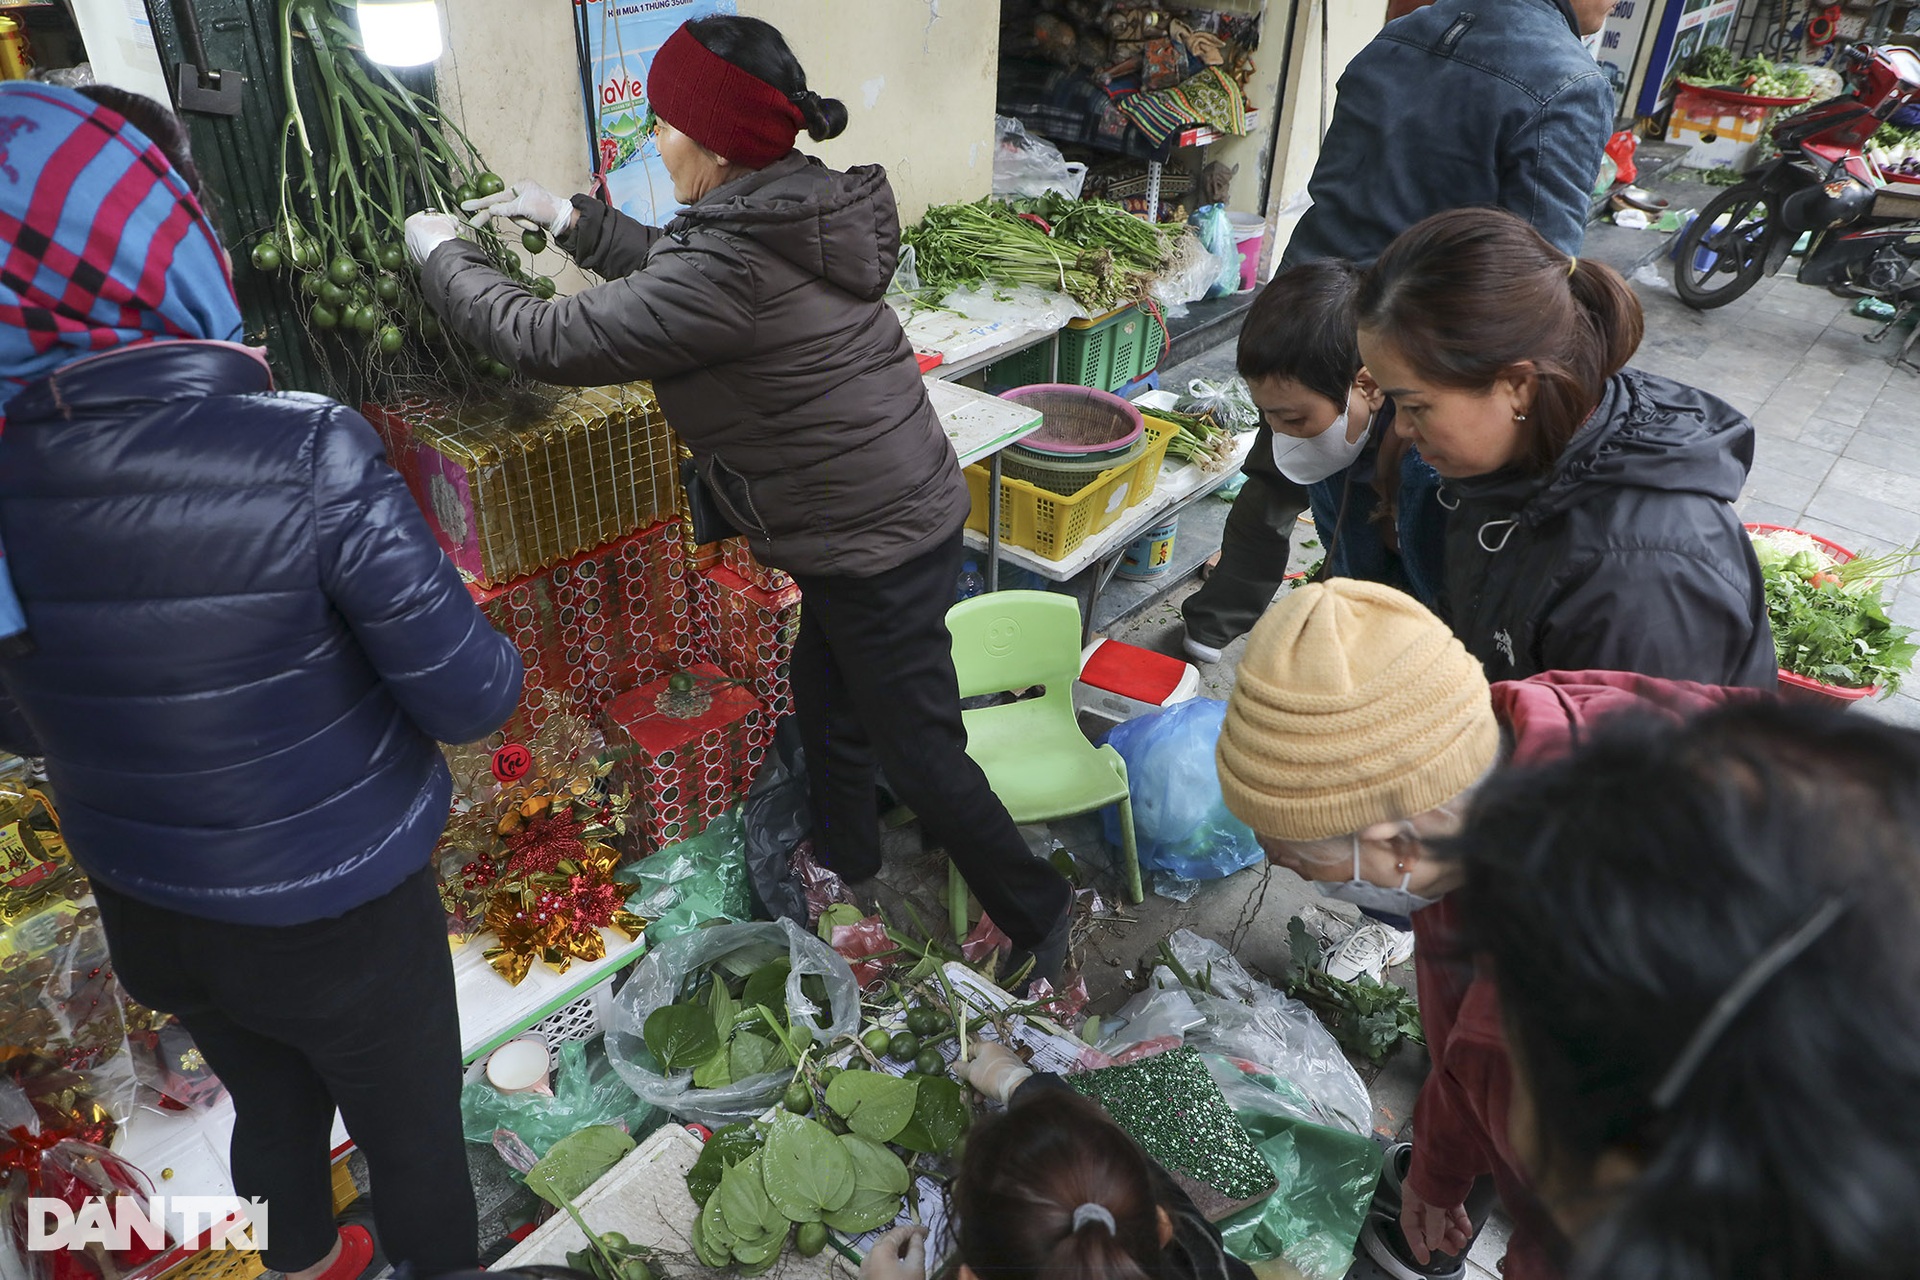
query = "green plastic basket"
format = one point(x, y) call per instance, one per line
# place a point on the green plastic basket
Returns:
point(1021, 369)
point(1110, 351)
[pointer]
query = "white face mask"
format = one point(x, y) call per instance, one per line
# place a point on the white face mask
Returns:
point(1311, 459)
point(1592, 43)
point(1374, 897)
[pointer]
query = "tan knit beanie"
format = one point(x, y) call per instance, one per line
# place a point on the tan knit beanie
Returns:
point(1353, 705)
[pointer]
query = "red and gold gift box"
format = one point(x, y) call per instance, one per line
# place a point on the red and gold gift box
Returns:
point(737, 556)
point(598, 624)
point(687, 755)
point(748, 632)
point(509, 492)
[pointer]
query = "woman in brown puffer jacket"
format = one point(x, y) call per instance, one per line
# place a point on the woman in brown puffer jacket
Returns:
point(758, 314)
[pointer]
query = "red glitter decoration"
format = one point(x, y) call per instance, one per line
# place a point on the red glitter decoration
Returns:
point(544, 843)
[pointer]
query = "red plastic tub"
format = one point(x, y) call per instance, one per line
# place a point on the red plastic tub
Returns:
point(1805, 686)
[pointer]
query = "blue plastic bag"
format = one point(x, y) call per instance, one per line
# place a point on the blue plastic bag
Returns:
point(1215, 230)
point(1179, 819)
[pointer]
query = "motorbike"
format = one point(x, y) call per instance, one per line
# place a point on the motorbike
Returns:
point(1822, 182)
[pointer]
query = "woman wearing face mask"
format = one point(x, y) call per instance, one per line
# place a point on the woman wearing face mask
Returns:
point(758, 313)
point(1320, 414)
point(1704, 946)
point(1590, 506)
point(1355, 734)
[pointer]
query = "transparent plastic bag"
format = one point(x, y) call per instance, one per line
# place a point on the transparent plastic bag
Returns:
point(658, 979)
point(1026, 165)
point(1180, 821)
point(693, 883)
point(1230, 402)
point(586, 1091)
point(1216, 233)
point(1242, 1018)
point(1191, 271)
point(1326, 1178)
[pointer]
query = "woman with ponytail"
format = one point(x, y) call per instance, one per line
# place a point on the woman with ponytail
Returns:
point(758, 312)
point(1054, 1190)
point(1590, 509)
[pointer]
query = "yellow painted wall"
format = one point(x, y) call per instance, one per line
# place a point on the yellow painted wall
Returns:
point(917, 77)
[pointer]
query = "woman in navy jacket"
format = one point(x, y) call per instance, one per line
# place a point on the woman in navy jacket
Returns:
point(236, 644)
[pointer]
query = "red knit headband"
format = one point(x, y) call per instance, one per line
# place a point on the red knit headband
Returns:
point(729, 112)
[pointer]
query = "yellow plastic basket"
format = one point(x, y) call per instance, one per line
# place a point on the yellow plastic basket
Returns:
point(1053, 525)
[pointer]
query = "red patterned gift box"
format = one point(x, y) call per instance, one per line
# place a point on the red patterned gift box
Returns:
point(687, 756)
point(736, 555)
point(598, 624)
point(748, 633)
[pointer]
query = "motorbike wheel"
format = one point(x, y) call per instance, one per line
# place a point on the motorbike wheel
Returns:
point(1724, 253)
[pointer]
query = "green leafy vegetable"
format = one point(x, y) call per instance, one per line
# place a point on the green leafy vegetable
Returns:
point(874, 1104)
point(866, 1211)
point(681, 1036)
point(1829, 619)
point(743, 1199)
point(807, 1170)
point(752, 1055)
point(941, 1117)
point(576, 1162)
point(727, 1147)
point(874, 1167)
point(768, 986)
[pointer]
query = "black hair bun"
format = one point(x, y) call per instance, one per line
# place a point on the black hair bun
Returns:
point(826, 117)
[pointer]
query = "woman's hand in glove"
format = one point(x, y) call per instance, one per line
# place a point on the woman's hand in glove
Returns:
point(525, 202)
point(995, 1071)
point(427, 232)
point(901, 1254)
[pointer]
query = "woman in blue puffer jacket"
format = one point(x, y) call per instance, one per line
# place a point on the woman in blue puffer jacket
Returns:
point(236, 644)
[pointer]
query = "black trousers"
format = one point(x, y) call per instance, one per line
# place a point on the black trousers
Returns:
point(1254, 547)
point(356, 1012)
point(873, 682)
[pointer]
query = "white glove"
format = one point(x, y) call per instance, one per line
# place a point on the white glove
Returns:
point(427, 231)
point(995, 1071)
point(525, 202)
point(901, 1254)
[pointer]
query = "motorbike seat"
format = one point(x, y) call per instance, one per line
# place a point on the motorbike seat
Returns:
point(1905, 62)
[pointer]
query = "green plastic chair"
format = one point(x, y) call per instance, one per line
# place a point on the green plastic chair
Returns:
point(1035, 757)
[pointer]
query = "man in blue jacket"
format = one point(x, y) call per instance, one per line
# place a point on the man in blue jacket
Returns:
point(1461, 103)
point(241, 644)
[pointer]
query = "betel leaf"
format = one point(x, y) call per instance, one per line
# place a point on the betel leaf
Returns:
point(875, 1168)
point(713, 1225)
point(727, 1147)
point(768, 986)
point(722, 1008)
point(681, 1036)
point(807, 1172)
point(758, 1254)
point(703, 1250)
point(576, 1162)
point(838, 914)
point(874, 1104)
point(867, 1211)
point(744, 1203)
point(940, 1119)
point(716, 1072)
point(752, 1055)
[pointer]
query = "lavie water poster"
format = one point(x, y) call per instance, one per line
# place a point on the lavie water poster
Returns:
point(618, 39)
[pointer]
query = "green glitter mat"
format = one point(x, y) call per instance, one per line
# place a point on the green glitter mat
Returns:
point(1174, 1110)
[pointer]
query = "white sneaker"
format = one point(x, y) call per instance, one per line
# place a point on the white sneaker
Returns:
point(1200, 652)
point(1372, 948)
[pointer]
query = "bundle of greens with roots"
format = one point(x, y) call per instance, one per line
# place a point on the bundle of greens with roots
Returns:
point(339, 235)
point(1097, 253)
